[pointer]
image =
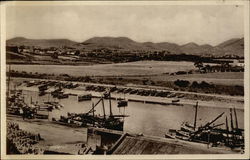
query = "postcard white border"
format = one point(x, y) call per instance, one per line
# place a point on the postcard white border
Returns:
point(182, 156)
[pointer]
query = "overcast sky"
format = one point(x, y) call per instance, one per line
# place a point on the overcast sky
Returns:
point(177, 24)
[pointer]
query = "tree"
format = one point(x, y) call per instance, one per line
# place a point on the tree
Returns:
point(208, 68)
point(55, 55)
point(198, 65)
point(77, 53)
point(181, 83)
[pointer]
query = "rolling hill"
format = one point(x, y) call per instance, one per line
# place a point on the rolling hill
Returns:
point(231, 47)
point(44, 43)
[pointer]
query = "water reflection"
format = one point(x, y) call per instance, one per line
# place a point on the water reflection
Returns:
point(151, 119)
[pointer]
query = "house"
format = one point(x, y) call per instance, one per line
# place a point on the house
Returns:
point(237, 62)
point(71, 52)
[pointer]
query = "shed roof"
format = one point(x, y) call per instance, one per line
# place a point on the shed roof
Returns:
point(135, 145)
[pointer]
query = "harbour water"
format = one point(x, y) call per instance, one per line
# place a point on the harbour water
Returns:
point(150, 119)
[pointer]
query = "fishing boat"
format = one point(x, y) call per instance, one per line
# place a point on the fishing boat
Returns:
point(89, 118)
point(62, 96)
point(209, 133)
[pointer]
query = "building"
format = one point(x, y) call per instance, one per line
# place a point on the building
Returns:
point(237, 62)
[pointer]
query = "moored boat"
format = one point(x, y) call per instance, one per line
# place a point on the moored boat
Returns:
point(122, 103)
point(86, 97)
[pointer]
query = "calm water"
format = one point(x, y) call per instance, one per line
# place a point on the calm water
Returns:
point(151, 119)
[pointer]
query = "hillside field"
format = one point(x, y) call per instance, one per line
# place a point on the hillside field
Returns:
point(117, 69)
point(131, 72)
point(223, 78)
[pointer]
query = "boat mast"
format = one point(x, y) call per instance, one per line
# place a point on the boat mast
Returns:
point(110, 107)
point(232, 123)
point(93, 114)
point(49, 96)
point(236, 121)
point(103, 108)
point(195, 116)
point(227, 131)
point(231, 116)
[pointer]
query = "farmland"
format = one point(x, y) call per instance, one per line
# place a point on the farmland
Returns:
point(157, 71)
point(223, 78)
point(118, 69)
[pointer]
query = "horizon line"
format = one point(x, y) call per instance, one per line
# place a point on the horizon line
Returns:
point(241, 37)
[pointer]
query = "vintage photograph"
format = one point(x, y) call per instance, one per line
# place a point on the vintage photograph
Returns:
point(124, 78)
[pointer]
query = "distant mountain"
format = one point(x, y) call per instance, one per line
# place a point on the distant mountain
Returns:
point(233, 46)
point(111, 42)
point(190, 48)
point(193, 48)
point(128, 44)
point(170, 47)
point(45, 43)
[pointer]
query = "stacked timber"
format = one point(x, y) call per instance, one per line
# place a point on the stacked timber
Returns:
point(22, 142)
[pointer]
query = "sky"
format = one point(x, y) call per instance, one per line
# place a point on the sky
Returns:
point(181, 24)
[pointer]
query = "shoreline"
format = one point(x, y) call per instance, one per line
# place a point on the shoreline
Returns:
point(228, 101)
point(56, 144)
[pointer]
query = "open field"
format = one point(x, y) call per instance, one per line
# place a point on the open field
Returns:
point(152, 70)
point(147, 73)
point(118, 69)
point(223, 78)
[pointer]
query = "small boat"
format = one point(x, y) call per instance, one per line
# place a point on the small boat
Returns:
point(86, 97)
point(55, 105)
point(42, 115)
point(43, 87)
point(182, 133)
point(170, 135)
point(180, 96)
point(122, 103)
point(42, 93)
point(45, 107)
point(30, 83)
point(69, 123)
point(62, 96)
point(175, 100)
point(57, 92)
